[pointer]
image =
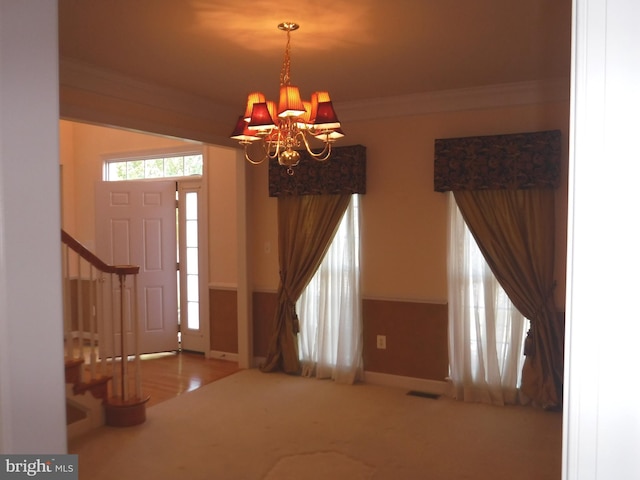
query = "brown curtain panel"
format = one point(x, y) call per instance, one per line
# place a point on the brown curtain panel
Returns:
point(514, 230)
point(306, 226)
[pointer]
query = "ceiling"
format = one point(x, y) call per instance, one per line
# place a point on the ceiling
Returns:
point(356, 49)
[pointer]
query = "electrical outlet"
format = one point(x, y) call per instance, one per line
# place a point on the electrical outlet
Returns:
point(381, 342)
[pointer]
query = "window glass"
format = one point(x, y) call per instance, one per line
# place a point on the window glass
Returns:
point(156, 167)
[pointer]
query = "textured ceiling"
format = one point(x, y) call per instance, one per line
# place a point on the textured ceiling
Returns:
point(355, 49)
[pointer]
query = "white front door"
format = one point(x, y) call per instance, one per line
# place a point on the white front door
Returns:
point(136, 225)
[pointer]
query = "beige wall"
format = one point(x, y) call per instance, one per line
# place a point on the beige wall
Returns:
point(90, 144)
point(404, 233)
point(67, 179)
point(404, 222)
point(404, 227)
point(83, 148)
point(220, 169)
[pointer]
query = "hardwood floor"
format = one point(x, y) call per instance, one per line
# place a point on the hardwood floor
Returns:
point(167, 375)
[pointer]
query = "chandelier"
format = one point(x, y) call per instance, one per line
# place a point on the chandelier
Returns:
point(294, 124)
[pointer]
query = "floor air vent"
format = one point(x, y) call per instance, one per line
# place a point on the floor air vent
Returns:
point(416, 393)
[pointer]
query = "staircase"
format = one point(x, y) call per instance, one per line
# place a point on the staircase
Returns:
point(85, 400)
point(102, 369)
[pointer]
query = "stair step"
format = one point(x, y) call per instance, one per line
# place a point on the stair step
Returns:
point(73, 370)
point(97, 386)
point(75, 414)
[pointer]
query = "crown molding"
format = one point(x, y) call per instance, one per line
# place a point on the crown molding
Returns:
point(476, 98)
point(92, 94)
point(104, 97)
point(82, 76)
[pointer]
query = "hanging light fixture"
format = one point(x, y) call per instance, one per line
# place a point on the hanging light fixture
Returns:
point(283, 130)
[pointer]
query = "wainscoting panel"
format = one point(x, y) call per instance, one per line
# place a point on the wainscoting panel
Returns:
point(223, 312)
point(264, 310)
point(416, 338)
point(416, 333)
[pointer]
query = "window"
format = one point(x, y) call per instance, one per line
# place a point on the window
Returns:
point(190, 262)
point(329, 309)
point(150, 167)
point(486, 332)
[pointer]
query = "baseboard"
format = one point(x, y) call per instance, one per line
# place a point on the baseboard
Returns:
point(375, 378)
point(231, 357)
point(234, 357)
point(408, 383)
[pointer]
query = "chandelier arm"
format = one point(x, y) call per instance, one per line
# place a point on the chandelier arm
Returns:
point(268, 145)
point(248, 159)
point(320, 156)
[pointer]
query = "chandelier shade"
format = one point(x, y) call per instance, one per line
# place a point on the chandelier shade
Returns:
point(255, 97)
point(331, 135)
point(293, 125)
point(260, 117)
point(326, 118)
point(242, 132)
point(290, 102)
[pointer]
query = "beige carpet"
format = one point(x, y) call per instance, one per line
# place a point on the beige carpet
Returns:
point(252, 425)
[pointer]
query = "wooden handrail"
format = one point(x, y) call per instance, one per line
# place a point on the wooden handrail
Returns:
point(113, 316)
point(90, 257)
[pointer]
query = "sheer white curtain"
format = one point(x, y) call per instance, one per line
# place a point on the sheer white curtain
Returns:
point(486, 332)
point(329, 309)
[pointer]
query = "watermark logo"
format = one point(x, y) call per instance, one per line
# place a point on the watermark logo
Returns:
point(49, 467)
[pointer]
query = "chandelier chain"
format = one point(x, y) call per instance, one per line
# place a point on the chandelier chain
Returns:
point(285, 73)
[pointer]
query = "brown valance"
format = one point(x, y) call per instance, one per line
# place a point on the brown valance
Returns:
point(344, 172)
point(515, 161)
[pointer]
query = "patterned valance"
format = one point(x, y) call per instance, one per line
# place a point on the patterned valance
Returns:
point(517, 161)
point(344, 172)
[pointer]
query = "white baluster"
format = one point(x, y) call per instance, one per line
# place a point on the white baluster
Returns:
point(123, 341)
point(92, 323)
point(136, 336)
point(114, 360)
